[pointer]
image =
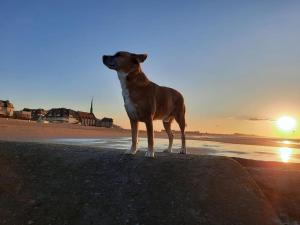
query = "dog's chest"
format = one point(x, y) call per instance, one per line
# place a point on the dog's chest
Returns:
point(129, 105)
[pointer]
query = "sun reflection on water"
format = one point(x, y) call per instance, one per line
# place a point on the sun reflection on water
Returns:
point(285, 154)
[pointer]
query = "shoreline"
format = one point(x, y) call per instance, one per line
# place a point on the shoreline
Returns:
point(251, 163)
point(20, 130)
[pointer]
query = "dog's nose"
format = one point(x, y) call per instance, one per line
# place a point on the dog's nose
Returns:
point(104, 58)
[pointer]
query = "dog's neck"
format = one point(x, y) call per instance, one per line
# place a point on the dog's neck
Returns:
point(134, 70)
point(122, 77)
point(129, 106)
point(135, 76)
point(127, 80)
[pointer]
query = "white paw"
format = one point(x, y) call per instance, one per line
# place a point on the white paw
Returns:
point(183, 151)
point(131, 152)
point(149, 154)
point(168, 150)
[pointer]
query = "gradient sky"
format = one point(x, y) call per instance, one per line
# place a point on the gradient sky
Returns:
point(236, 62)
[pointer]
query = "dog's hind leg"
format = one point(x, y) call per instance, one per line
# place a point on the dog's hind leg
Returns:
point(180, 119)
point(150, 134)
point(134, 134)
point(167, 126)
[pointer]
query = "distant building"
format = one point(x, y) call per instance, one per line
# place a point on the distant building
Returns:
point(87, 119)
point(91, 109)
point(6, 109)
point(36, 114)
point(22, 115)
point(62, 115)
point(105, 122)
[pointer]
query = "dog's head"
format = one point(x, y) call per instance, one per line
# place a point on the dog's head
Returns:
point(124, 61)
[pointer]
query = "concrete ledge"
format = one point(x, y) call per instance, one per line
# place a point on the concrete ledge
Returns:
point(59, 184)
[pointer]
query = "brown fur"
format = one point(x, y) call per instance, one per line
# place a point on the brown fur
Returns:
point(151, 101)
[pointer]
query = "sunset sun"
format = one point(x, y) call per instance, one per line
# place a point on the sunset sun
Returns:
point(286, 123)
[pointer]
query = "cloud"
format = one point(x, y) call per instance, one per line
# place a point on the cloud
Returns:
point(254, 119)
point(260, 119)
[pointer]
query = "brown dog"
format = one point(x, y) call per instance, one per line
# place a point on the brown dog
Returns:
point(146, 101)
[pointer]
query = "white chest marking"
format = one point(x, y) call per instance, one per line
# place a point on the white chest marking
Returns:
point(129, 106)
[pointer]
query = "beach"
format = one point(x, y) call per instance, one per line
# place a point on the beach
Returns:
point(49, 183)
point(12, 129)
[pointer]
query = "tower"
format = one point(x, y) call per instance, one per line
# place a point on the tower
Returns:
point(91, 109)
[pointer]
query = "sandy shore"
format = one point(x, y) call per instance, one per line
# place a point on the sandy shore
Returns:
point(24, 130)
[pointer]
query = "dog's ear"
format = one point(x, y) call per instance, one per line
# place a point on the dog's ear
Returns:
point(140, 57)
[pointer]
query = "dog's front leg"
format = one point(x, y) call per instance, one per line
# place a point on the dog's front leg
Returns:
point(134, 135)
point(150, 151)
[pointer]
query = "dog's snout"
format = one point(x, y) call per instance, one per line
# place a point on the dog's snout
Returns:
point(104, 58)
point(108, 61)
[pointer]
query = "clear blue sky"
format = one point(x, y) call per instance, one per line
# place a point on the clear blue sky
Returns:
point(232, 60)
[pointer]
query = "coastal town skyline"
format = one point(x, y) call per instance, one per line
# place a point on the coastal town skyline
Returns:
point(54, 115)
point(235, 63)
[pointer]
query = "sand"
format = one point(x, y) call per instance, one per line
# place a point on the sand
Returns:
point(24, 130)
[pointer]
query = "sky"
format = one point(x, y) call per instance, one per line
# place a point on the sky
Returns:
point(235, 62)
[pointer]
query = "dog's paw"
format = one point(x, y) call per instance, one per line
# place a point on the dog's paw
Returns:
point(149, 154)
point(131, 152)
point(168, 150)
point(183, 151)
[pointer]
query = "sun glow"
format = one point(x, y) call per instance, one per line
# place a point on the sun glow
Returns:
point(286, 123)
point(286, 142)
point(285, 154)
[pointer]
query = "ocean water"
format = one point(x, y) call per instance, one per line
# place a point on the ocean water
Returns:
point(257, 152)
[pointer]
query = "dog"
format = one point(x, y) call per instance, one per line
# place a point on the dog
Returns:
point(146, 101)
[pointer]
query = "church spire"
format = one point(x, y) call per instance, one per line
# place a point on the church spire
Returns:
point(91, 109)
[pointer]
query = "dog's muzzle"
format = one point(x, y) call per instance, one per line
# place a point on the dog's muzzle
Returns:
point(108, 62)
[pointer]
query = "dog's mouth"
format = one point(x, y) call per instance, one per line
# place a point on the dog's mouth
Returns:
point(111, 66)
point(108, 62)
